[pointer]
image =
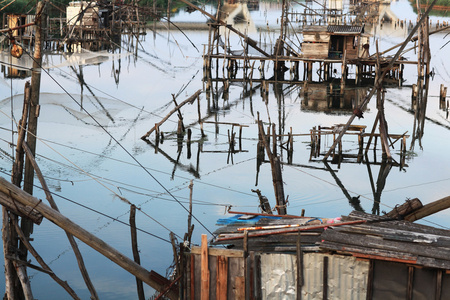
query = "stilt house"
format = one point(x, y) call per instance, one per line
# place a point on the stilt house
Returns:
point(332, 41)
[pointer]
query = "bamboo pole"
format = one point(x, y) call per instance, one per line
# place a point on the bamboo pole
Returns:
point(91, 240)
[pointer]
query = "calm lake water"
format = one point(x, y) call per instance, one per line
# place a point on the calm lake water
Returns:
point(126, 95)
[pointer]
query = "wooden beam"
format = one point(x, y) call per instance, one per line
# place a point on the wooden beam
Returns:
point(83, 235)
point(429, 209)
point(222, 277)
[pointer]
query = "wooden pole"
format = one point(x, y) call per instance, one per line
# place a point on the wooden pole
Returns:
point(27, 225)
point(276, 173)
point(429, 209)
point(43, 264)
point(91, 240)
point(299, 262)
point(134, 246)
point(70, 237)
point(204, 269)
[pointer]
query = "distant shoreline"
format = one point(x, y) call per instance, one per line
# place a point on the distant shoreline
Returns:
point(180, 25)
point(196, 26)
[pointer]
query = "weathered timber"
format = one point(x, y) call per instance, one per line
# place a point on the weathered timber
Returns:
point(24, 281)
point(190, 100)
point(406, 208)
point(27, 225)
point(389, 245)
point(369, 252)
point(22, 128)
point(289, 230)
point(429, 209)
point(19, 209)
point(39, 259)
point(222, 274)
point(204, 269)
point(83, 235)
point(396, 234)
point(276, 173)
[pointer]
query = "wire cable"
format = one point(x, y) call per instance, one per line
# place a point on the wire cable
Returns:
point(123, 148)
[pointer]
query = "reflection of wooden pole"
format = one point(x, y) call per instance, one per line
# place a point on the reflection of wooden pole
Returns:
point(191, 99)
point(134, 246)
point(380, 80)
point(91, 240)
point(276, 173)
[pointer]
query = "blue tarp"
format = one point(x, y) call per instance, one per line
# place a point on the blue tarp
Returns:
point(243, 219)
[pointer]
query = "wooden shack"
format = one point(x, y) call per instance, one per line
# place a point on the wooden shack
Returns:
point(86, 14)
point(25, 34)
point(332, 41)
point(360, 256)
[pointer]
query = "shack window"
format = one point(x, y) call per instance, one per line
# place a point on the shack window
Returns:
point(336, 46)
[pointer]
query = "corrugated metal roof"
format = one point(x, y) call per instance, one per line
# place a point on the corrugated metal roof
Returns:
point(344, 29)
point(347, 276)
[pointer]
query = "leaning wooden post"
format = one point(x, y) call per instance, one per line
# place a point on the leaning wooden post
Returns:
point(45, 267)
point(134, 247)
point(83, 235)
point(70, 237)
point(276, 173)
point(200, 116)
point(429, 209)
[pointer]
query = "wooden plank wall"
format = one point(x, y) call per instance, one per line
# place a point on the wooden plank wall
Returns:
point(352, 52)
point(225, 269)
point(315, 50)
